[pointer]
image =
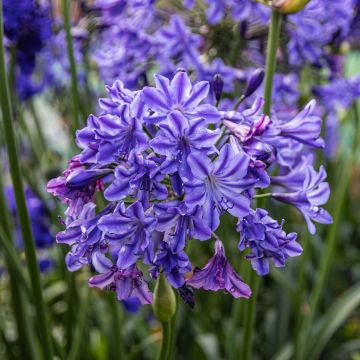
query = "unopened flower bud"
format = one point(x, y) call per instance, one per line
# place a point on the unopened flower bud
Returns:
point(256, 79)
point(83, 178)
point(289, 6)
point(218, 84)
point(164, 304)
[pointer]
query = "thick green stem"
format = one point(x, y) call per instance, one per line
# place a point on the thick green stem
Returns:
point(250, 314)
point(17, 280)
point(23, 215)
point(166, 341)
point(70, 49)
point(273, 42)
point(117, 328)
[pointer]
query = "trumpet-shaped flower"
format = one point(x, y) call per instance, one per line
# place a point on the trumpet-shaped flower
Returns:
point(218, 274)
point(218, 186)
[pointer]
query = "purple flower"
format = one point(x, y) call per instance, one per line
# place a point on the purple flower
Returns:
point(84, 237)
point(174, 264)
point(177, 41)
point(180, 223)
point(217, 186)
point(180, 137)
point(309, 193)
point(27, 26)
point(110, 138)
point(305, 127)
point(320, 23)
point(39, 217)
point(267, 240)
point(128, 283)
point(208, 71)
point(254, 130)
point(178, 95)
point(124, 52)
point(139, 177)
point(131, 229)
point(339, 94)
point(218, 274)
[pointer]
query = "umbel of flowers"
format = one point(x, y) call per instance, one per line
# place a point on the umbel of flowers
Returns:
point(165, 166)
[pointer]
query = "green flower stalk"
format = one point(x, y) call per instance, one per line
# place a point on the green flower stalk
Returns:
point(14, 166)
point(164, 306)
point(273, 41)
point(70, 49)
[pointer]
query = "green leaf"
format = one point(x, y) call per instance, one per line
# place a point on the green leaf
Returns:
point(333, 320)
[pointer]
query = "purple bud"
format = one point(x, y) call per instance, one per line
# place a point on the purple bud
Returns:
point(218, 84)
point(187, 295)
point(83, 178)
point(256, 79)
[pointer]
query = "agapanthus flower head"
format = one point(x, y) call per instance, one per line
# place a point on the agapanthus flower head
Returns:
point(168, 166)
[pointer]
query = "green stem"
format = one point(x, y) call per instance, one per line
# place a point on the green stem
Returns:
point(301, 289)
point(118, 334)
point(79, 336)
point(71, 300)
point(166, 341)
point(70, 49)
point(250, 315)
point(172, 336)
point(273, 42)
point(40, 133)
point(17, 282)
point(23, 215)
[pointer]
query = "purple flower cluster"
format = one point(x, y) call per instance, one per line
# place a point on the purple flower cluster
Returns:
point(27, 28)
point(321, 23)
point(168, 165)
point(240, 10)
